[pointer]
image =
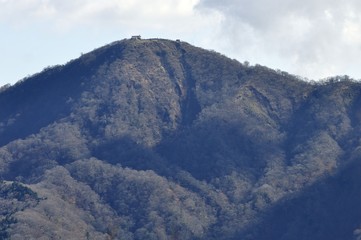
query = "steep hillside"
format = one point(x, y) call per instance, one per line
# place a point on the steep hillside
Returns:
point(158, 139)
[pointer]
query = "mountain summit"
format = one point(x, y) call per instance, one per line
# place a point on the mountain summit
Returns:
point(158, 139)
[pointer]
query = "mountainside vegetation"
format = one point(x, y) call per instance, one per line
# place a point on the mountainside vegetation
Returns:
point(158, 139)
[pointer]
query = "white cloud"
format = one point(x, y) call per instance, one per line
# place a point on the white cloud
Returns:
point(69, 15)
point(352, 32)
point(312, 38)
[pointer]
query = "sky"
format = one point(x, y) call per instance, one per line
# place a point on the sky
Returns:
point(314, 39)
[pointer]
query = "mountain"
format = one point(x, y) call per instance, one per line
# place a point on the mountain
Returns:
point(158, 139)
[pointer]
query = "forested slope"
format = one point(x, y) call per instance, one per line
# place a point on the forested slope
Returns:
point(158, 139)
